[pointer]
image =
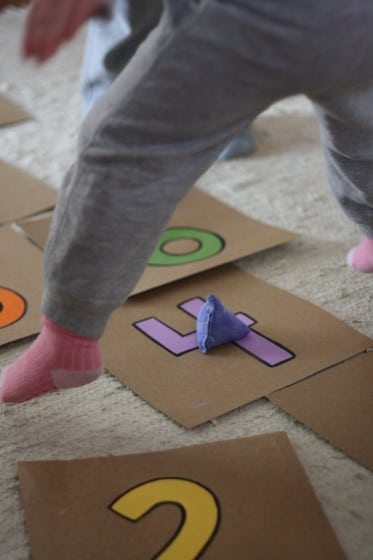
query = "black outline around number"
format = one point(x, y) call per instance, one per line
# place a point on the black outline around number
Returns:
point(179, 306)
point(160, 246)
point(159, 504)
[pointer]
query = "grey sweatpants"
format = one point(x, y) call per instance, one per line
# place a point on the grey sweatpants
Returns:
point(207, 70)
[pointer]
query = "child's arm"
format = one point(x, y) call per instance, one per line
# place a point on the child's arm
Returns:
point(50, 23)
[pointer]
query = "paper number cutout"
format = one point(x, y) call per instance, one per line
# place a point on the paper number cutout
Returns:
point(208, 245)
point(12, 307)
point(200, 513)
point(262, 348)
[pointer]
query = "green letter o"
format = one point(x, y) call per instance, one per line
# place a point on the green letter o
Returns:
point(209, 244)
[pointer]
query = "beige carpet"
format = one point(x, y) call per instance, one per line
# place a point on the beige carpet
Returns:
point(283, 184)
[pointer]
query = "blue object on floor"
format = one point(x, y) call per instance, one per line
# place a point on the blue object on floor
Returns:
point(216, 325)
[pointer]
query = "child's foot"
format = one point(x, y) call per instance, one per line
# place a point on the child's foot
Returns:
point(57, 359)
point(241, 146)
point(361, 257)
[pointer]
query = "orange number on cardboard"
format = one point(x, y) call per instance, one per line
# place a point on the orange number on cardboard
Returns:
point(12, 307)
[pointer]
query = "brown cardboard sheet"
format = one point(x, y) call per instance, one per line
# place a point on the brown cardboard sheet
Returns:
point(203, 233)
point(239, 499)
point(21, 287)
point(37, 229)
point(150, 345)
point(22, 195)
point(338, 405)
point(10, 113)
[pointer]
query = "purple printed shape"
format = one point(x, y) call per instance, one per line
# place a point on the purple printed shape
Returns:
point(192, 306)
point(254, 343)
point(262, 347)
point(171, 340)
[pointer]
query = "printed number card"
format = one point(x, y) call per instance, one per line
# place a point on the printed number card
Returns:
point(242, 499)
point(151, 345)
point(22, 195)
point(10, 113)
point(204, 233)
point(337, 404)
point(21, 287)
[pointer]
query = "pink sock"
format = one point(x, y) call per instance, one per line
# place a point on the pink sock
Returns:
point(361, 257)
point(57, 359)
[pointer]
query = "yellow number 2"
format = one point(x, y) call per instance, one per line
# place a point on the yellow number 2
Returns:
point(200, 508)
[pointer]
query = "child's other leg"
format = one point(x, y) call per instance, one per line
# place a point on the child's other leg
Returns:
point(347, 137)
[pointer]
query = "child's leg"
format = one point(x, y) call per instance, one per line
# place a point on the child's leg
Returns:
point(347, 138)
point(58, 359)
point(109, 46)
point(152, 134)
point(207, 71)
point(156, 130)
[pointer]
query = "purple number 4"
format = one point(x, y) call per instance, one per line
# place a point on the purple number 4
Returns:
point(257, 345)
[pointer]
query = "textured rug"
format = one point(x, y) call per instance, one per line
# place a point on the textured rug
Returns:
point(283, 184)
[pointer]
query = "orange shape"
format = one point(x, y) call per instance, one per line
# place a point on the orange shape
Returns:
point(12, 307)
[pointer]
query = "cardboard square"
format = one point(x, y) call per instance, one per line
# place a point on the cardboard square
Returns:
point(37, 229)
point(150, 345)
point(10, 113)
point(337, 404)
point(22, 194)
point(21, 287)
point(204, 231)
point(245, 498)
